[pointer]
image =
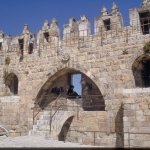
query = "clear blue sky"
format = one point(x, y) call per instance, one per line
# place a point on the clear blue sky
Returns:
point(15, 13)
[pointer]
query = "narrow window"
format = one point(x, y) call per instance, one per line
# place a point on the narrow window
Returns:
point(46, 36)
point(145, 22)
point(0, 46)
point(75, 88)
point(30, 51)
point(146, 73)
point(21, 48)
point(107, 24)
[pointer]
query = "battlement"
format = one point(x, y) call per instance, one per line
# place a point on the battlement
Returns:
point(107, 26)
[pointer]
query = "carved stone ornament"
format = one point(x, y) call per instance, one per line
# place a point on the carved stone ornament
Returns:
point(64, 57)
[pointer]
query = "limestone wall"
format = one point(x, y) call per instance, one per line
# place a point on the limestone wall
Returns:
point(106, 57)
point(136, 118)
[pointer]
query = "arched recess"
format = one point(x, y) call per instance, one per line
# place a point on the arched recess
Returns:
point(141, 71)
point(11, 81)
point(89, 97)
point(65, 128)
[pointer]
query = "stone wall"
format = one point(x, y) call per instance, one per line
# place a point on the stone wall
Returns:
point(106, 58)
point(136, 118)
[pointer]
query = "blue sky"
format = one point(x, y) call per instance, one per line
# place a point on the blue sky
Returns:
point(15, 13)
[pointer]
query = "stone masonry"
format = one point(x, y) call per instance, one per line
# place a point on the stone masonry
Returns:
point(113, 109)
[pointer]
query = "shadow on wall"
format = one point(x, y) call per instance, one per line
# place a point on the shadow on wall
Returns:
point(11, 82)
point(65, 128)
point(119, 128)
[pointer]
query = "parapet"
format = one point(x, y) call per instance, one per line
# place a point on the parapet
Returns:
point(108, 21)
point(106, 25)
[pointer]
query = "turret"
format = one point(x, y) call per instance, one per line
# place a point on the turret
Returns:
point(1, 40)
point(54, 30)
point(140, 17)
point(116, 19)
point(84, 26)
point(71, 29)
point(108, 21)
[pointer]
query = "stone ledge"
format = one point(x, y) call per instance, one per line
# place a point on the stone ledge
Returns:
point(9, 99)
point(136, 90)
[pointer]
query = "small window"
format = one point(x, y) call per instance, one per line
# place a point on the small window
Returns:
point(0, 45)
point(46, 36)
point(145, 22)
point(107, 24)
point(21, 44)
point(30, 51)
point(21, 48)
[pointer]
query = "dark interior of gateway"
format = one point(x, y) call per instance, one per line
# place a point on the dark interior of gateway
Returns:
point(76, 87)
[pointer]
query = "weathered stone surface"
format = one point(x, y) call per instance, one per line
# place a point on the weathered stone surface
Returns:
point(117, 110)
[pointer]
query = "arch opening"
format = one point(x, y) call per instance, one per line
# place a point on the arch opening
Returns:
point(141, 71)
point(72, 85)
point(11, 83)
point(65, 128)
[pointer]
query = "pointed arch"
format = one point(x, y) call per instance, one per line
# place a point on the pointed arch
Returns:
point(92, 98)
point(141, 71)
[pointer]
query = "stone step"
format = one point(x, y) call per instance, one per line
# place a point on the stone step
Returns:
point(39, 133)
point(44, 117)
point(46, 112)
point(41, 128)
point(43, 122)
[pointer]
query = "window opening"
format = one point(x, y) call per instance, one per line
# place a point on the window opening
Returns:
point(30, 48)
point(21, 48)
point(46, 36)
point(107, 24)
point(75, 88)
point(76, 82)
point(145, 22)
point(0, 45)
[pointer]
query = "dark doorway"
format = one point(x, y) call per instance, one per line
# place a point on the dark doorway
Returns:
point(63, 133)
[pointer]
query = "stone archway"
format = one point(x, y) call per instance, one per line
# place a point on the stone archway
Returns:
point(102, 86)
point(141, 71)
point(92, 98)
